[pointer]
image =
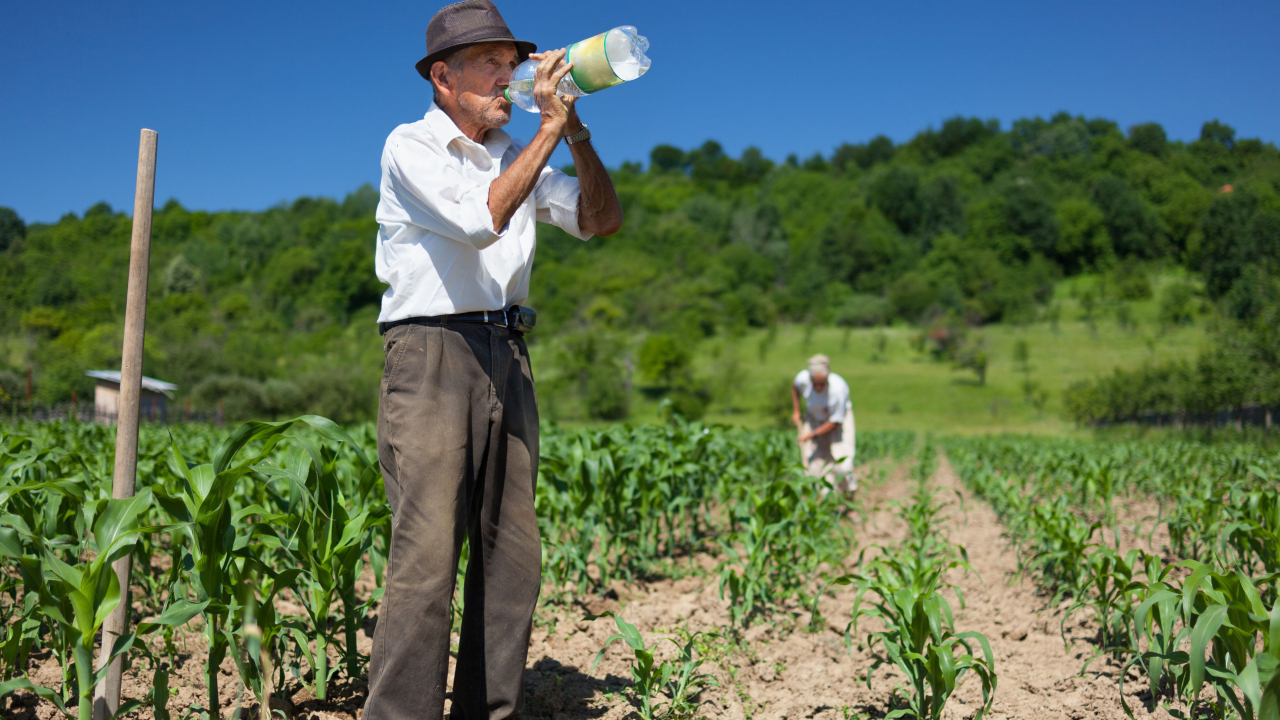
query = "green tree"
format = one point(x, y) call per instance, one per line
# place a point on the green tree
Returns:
point(12, 229)
point(865, 156)
point(896, 192)
point(1083, 242)
point(1220, 133)
point(1132, 226)
point(667, 158)
point(1149, 138)
point(181, 277)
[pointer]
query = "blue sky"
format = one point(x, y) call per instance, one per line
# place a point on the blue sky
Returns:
point(262, 102)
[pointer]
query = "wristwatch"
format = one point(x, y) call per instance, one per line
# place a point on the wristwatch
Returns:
point(583, 134)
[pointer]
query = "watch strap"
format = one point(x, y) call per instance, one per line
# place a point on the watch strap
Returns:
point(583, 134)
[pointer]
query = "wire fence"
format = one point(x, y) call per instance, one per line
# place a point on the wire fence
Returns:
point(18, 411)
point(1251, 415)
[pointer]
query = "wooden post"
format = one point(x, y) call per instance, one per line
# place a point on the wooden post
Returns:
point(106, 697)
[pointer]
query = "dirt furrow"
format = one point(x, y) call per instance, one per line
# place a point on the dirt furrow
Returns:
point(1039, 677)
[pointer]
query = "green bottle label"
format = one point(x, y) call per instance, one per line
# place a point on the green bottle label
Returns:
point(591, 69)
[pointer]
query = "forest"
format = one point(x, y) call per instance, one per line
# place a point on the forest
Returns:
point(272, 313)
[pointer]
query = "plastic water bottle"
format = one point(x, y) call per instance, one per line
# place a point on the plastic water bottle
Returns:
point(608, 59)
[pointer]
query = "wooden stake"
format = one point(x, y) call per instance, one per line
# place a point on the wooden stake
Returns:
point(106, 697)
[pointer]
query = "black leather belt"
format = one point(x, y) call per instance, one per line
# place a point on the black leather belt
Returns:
point(515, 318)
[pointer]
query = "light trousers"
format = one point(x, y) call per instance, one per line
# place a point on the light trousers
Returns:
point(831, 454)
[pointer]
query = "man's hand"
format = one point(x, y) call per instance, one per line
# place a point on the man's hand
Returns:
point(546, 79)
point(514, 185)
point(795, 418)
point(822, 429)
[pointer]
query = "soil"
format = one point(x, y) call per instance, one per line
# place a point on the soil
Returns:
point(777, 669)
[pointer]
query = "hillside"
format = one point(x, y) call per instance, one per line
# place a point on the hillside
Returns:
point(966, 229)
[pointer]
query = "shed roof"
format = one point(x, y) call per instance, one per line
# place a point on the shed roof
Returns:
point(151, 384)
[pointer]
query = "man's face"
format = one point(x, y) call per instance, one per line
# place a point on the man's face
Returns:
point(479, 81)
point(819, 382)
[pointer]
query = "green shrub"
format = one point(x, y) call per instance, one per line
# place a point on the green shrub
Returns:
point(690, 398)
point(662, 360)
point(607, 397)
point(1132, 283)
point(1177, 304)
point(343, 393)
point(238, 397)
point(863, 310)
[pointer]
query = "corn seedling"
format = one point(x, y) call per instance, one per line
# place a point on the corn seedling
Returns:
point(919, 636)
point(679, 680)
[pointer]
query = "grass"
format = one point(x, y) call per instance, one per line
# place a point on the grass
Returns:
point(903, 389)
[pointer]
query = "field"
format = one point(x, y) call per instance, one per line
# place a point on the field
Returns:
point(898, 387)
point(1005, 576)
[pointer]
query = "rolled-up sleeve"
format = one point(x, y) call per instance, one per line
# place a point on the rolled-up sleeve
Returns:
point(556, 196)
point(435, 194)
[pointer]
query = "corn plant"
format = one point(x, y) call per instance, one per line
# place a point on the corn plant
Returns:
point(1107, 589)
point(21, 625)
point(78, 597)
point(321, 536)
point(218, 551)
point(783, 531)
point(1228, 640)
point(1156, 624)
point(257, 635)
point(920, 640)
point(679, 680)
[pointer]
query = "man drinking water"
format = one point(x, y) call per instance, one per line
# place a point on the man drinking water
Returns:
point(457, 416)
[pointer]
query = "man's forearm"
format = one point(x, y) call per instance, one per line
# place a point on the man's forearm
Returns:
point(513, 186)
point(824, 428)
point(599, 211)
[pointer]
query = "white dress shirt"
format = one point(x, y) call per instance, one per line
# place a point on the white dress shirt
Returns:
point(828, 405)
point(436, 245)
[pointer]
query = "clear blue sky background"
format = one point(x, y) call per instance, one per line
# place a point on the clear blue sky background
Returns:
point(261, 102)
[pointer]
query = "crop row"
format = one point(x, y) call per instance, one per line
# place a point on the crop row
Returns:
point(223, 527)
point(1204, 612)
point(903, 586)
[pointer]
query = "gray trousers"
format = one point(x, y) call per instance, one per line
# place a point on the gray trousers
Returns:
point(458, 444)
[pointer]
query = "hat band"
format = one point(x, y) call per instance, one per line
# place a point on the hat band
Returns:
point(484, 34)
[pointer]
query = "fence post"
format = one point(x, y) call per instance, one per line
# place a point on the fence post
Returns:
point(106, 696)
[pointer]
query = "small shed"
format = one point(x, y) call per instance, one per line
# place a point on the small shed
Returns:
point(153, 404)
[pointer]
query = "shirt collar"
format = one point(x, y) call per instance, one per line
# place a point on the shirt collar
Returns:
point(443, 127)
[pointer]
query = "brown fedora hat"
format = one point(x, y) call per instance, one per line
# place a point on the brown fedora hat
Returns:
point(470, 22)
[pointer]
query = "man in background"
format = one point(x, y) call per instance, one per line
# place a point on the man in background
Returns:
point(826, 431)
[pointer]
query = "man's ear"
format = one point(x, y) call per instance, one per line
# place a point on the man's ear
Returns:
point(440, 76)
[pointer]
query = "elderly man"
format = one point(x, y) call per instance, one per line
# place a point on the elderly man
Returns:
point(826, 431)
point(458, 419)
